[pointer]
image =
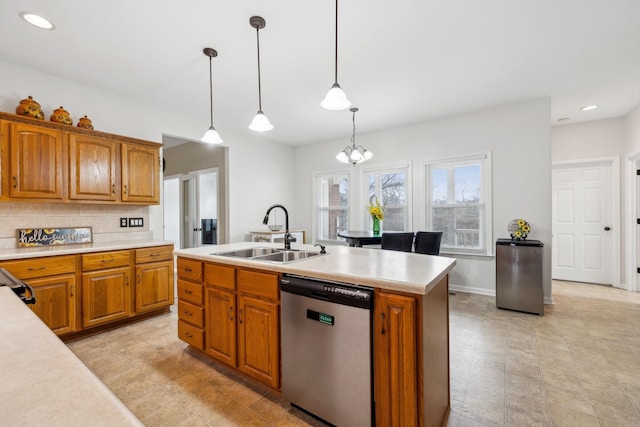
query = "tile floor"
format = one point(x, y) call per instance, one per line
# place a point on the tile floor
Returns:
point(578, 365)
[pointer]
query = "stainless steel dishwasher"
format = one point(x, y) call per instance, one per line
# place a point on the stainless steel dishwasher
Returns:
point(326, 349)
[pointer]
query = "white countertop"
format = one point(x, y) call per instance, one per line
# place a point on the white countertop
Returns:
point(52, 250)
point(43, 382)
point(378, 268)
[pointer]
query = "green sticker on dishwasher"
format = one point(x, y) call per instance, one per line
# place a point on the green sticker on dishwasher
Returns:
point(326, 318)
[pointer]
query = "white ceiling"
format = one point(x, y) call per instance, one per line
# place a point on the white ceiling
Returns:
point(400, 61)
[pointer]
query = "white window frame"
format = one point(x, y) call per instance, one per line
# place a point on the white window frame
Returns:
point(316, 208)
point(486, 202)
point(386, 169)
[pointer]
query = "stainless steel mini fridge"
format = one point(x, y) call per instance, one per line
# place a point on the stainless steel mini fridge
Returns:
point(519, 275)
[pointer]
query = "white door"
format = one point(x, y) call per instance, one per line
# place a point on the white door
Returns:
point(582, 209)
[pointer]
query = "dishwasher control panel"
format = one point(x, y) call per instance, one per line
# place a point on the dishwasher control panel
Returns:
point(353, 293)
point(340, 293)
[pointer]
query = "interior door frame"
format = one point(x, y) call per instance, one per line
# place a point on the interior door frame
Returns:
point(632, 213)
point(614, 162)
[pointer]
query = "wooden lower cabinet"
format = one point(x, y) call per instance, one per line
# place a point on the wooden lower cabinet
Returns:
point(106, 296)
point(395, 359)
point(220, 308)
point(56, 302)
point(154, 285)
point(258, 339)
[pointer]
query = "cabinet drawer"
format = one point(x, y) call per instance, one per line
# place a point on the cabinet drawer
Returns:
point(191, 313)
point(258, 283)
point(104, 260)
point(41, 267)
point(190, 269)
point(191, 334)
point(191, 292)
point(220, 276)
point(156, 253)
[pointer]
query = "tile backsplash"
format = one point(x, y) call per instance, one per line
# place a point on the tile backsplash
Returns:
point(103, 219)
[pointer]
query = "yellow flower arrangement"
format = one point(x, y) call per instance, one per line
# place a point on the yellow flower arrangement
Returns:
point(519, 229)
point(376, 210)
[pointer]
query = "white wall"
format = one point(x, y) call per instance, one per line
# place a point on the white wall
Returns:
point(259, 173)
point(632, 131)
point(598, 138)
point(519, 137)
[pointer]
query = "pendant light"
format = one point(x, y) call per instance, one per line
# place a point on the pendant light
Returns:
point(354, 154)
point(211, 136)
point(336, 100)
point(260, 122)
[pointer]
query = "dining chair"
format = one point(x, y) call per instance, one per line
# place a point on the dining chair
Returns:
point(428, 242)
point(397, 241)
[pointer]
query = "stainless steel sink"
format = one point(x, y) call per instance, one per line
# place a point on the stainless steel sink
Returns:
point(248, 253)
point(287, 256)
point(269, 254)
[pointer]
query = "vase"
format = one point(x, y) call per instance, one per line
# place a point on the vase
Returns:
point(376, 225)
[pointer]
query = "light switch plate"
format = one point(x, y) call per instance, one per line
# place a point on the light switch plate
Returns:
point(136, 222)
point(123, 222)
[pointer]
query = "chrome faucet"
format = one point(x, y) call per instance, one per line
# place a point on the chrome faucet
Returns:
point(288, 238)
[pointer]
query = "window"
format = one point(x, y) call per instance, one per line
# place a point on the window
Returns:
point(391, 188)
point(332, 205)
point(459, 202)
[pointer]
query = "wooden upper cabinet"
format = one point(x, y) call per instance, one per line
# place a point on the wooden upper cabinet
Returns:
point(140, 174)
point(92, 168)
point(36, 162)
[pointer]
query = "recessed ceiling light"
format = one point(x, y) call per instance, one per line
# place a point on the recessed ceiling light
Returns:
point(589, 107)
point(37, 20)
point(563, 119)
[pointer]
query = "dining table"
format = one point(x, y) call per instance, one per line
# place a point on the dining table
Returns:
point(356, 238)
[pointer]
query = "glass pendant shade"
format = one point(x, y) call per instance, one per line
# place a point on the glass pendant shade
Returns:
point(260, 123)
point(336, 100)
point(211, 136)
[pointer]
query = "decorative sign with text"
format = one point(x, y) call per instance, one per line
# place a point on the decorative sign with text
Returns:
point(53, 236)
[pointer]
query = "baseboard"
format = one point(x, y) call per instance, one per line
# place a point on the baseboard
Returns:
point(484, 291)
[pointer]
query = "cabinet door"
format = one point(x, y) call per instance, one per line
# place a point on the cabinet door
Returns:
point(395, 342)
point(56, 302)
point(92, 168)
point(258, 340)
point(140, 174)
point(154, 285)
point(36, 162)
point(220, 329)
point(106, 296)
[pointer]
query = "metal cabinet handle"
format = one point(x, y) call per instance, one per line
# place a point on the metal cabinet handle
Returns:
point(240, 316)
point(71, 291)
point(139, 279)
point(107, 260)
point(188, 334)
point(188, 313)
point(125, 189)
point(113, 188)
point(188, 291)
point(37, 269)
point(383, 331)
point(15, 182)
point(231, 313)
point(188, 269)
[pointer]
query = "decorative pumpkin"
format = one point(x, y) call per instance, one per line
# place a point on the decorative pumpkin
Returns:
point(85, 123)
point(60, 115)
point(29, 107)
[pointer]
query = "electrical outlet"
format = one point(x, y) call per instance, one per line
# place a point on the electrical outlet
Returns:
point(136, 222)
point(123, 222)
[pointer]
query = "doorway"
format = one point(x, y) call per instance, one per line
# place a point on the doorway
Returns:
point(191, 213)
point(585, 221)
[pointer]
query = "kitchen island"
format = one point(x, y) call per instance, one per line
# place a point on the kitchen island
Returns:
point(410, 319)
